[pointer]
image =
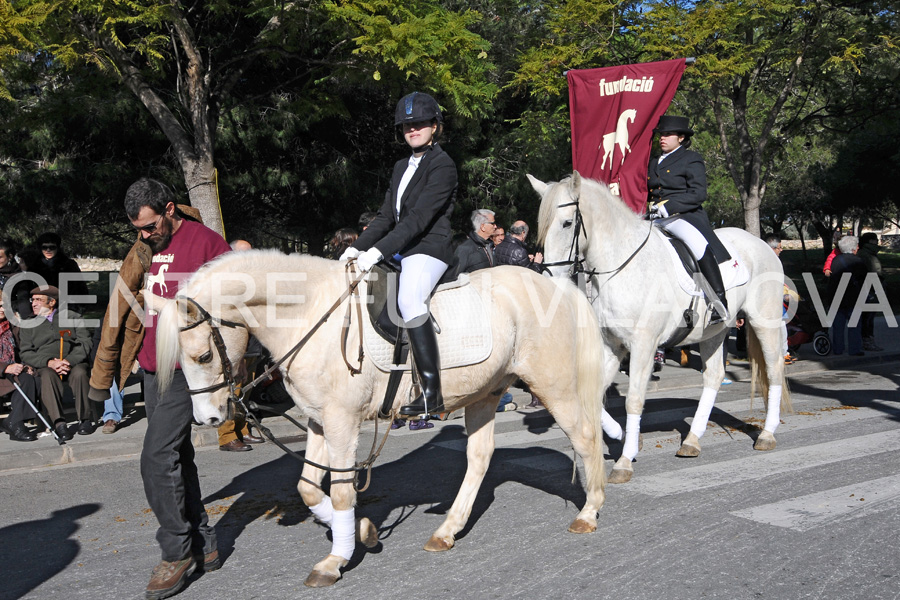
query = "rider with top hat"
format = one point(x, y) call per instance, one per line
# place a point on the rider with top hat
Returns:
point(677, 189)
point(414, 224)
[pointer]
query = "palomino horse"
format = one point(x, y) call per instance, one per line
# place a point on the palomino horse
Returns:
point(544, 333)
point(640, 304)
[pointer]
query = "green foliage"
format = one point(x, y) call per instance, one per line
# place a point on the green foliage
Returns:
point(17, 26)
point(423, 42)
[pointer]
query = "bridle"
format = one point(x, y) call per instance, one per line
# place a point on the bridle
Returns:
point(228, 379)
point(575, 258)
point(237, 393)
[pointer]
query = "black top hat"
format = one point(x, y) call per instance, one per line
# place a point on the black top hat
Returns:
point(674, 124)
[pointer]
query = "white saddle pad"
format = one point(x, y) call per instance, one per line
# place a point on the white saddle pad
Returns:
point(465, 329)
point(734, 272)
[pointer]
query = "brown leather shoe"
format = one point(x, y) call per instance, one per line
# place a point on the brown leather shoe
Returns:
point(168, 578)
point(252, 439)
point(211, 561)
point(235, 445)
point(109, 426)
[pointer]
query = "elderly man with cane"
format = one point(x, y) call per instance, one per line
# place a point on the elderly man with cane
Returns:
point(57, 344)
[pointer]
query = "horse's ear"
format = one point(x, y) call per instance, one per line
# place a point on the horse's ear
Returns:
point(575, 184)
point(539, 186)
point(153, 302)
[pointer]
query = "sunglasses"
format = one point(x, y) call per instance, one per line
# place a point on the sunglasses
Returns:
point(48, 247)
point(150, 228)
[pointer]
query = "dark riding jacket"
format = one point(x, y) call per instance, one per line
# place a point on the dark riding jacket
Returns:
point(681, 180)
point(423, 223)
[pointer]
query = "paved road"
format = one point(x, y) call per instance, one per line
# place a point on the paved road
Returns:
point(817, 518)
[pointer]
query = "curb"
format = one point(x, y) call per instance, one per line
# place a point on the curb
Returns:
point(83, 450)
point(86, 449)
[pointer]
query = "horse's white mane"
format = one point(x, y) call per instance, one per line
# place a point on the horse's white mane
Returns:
point(255, 263)
point(590, 190)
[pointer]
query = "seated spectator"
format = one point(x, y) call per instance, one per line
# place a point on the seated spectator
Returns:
point(9, 268)
point(58, 351)
point(476, 252)
point(12, 370)
point(513, 251)
point(54, 262)
point(846, 262)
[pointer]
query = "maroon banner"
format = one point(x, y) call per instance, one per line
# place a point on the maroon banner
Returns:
point(613, 112)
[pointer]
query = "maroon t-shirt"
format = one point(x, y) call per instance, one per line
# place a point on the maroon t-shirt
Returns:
point(191, 247)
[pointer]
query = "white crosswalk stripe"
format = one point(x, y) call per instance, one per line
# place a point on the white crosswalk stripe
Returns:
point(829, 507)
point(759, 465)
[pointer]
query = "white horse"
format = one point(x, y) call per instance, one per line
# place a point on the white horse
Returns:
point(619, 136)
point(544, 333)
point(639, 304)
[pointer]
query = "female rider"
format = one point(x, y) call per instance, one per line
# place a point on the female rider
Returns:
point(677, 189)
point(414, 223)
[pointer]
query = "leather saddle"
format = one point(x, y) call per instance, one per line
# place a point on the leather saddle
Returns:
point(687, 259)
point(383, 289)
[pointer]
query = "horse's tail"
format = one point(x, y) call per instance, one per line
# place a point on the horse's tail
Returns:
point(590, 356)
point(759, 375)
point(168, 344)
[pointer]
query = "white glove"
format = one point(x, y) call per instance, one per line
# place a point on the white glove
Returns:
point(368, 259)
point(349, 253)
point(657, 210)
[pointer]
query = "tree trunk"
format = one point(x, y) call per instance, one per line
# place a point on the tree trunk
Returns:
point(751, 212)
point(199, 177)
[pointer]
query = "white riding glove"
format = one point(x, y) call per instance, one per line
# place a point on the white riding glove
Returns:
point(349, 253)
point(657, 210)
point(368, 259)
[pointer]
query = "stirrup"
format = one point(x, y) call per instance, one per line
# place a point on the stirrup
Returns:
point(419, 409)
point(718, 313)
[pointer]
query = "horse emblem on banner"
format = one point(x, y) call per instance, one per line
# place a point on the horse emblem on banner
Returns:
point(619, 136)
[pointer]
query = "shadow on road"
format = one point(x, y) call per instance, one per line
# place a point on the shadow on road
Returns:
point(427, 478)
point(33, 552)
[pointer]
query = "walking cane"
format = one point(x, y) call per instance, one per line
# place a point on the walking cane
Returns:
point(62, 332)
point(61, 441)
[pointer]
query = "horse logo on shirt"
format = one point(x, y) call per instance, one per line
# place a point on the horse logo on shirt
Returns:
point(159, 278)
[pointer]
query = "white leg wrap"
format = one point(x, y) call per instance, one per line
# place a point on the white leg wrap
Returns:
point(774, 409)
point(343, 533)
point(323, 511)
point(704, 407)
point(611, 427)
point(632, 433)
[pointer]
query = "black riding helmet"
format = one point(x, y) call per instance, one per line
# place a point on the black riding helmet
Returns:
point(417, 107)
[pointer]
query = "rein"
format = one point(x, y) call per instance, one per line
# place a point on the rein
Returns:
point(237, 393)
point(577, 261)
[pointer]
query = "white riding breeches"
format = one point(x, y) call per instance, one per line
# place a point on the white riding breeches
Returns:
point(419, 275)
point(689, 234)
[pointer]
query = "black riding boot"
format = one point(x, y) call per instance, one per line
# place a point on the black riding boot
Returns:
point(710, 269)
point(424, 347)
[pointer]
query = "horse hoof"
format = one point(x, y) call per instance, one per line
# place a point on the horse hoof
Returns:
point(366, 533)
point(765, 441)
point(436, 544)
point(688, 451)
point(318, 579)
point(581, 526)
point(620, 475)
